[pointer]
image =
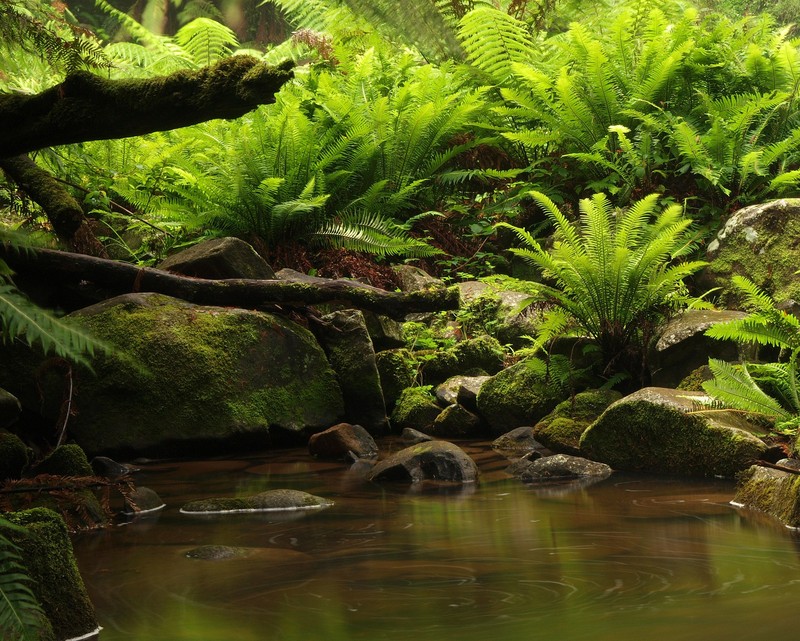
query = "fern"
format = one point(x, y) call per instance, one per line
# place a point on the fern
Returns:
point(21, 615)
point(206, 41)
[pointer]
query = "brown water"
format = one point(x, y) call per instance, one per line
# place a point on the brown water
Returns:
point(629, 559)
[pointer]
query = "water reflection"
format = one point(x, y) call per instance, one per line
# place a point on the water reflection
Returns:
point(623, 558)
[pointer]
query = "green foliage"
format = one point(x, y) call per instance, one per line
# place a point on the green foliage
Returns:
point(615, 274)
point(21, 615)
point(770, 389)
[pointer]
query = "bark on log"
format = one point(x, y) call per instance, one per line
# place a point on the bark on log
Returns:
point(249, 294)
point(87, 107)
point(63, 211)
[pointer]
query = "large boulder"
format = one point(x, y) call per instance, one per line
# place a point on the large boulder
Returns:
point(561, 429)
point(773, 491)
point(759, 242)
point(661, 431)
point(429, 461)
point(344, 337)
point(518, 395)
point(682, 346)
point(57, 584)
point(219, 258)
point(183, 377)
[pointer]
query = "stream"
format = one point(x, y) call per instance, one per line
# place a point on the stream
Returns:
point(632, 558)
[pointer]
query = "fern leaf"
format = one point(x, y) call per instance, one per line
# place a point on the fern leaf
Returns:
point(736, 388)
point(21, 615)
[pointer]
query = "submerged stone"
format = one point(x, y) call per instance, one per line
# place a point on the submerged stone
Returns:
point(429, 461)
point(558, 466)
point(269, 501)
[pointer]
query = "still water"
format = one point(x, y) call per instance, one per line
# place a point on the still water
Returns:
point(630, 558)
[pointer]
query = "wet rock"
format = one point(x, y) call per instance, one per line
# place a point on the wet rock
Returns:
point(772, 491)
point(658, 430)
point(343, 441)
point(144, 501)
point(186, 378)
point(219, 258)
point(412, 436)
point(518, 395)
point(456, 422)
point(518, 441)
point(14, 456)
point(109, 468)
point(66, 460)
point(56, 582)
point(344, 337)
point(561, 430)
point(269, 501)
point(558, 466)
point(218, 553)
point(431, 461)
point(682, 345)
point(415, 409)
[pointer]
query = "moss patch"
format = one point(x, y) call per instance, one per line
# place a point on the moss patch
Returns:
point(562, 428)
point(774, 492)
point(416, 409)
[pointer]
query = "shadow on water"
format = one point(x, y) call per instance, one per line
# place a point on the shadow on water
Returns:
point(624, 558)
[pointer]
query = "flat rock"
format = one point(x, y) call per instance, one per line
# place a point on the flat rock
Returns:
point(270, 501)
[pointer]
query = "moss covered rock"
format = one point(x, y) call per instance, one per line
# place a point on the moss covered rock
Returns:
point(454, 421)
point(269, 501)
point(50, 562)
point(561, 429)
point(759, 242)
point(658, 430)
point(430, 461)
point(183, 376)
point(397, 370)
point(519, 395)
point(483, 353)
point(13, 456)
point(66, 460)
point(772, 491)
point(219, 258)
point(416, 408)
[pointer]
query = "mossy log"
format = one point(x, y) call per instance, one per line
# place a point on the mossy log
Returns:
point(87, 107)
point(64, 267)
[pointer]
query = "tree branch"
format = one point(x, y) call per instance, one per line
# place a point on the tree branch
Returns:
point(87, 107)
point(249, 294)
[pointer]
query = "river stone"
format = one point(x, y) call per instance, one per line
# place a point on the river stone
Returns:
point(218, 553)
point(109, 468)
point(269, 501)
point(184, 378)
point(518, 395)
point(682, 346)
point(343, 441)
point(517, 442)
point(344, 337)
point(146, 501)
point(455, 421)
point(561, 430)
point(431, 461)
point(558, 466)
point(772, 491)
point(56, 582)
point(758, 242)
point(412, 436)
point(658, 430)
point(219, 258)
point(415, 409)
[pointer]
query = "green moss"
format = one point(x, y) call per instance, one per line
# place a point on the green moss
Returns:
point(416, 408)
point(774, 492)
point(562, 428)
point(50, 561)
point(694, 381)
point(66, 460)
point(397, 370)
point(483, 352)
point(651, 437)
point(13, 456)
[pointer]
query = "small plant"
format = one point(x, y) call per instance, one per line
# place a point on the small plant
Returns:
point(615, 275)
point(768, 389)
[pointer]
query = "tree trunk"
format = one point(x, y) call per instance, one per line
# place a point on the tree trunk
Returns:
point(87, 107)
point(57, 266)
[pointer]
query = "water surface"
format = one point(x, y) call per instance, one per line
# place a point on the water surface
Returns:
point(630, 559)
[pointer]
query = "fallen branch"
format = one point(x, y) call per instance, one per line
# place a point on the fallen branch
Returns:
point(63, 267)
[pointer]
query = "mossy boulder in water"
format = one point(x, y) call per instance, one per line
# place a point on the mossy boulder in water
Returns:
point(773, 491)
point(759, 242)
point(661, 431)
point(184, 377)
point(269, 501)
point(50, 561)
point(561, 429)
point(518, 395)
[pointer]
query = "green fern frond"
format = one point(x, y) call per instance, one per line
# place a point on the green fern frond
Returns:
point(206, 41)
point(734, 386)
